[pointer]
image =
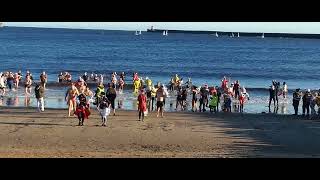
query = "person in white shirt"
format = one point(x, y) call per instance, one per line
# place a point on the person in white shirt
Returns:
point(284, 90)
point(2, 83)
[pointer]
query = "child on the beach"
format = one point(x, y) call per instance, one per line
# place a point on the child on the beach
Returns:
point(104, 109)
point(213, 102)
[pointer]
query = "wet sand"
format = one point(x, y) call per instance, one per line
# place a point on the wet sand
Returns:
point(27, 133)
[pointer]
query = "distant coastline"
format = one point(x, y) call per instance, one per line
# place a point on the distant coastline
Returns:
point(209, 32)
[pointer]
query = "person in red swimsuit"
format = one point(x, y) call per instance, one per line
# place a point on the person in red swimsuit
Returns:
point(142, 107)
point(224, 83)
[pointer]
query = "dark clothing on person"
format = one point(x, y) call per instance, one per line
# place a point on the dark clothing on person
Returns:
point(306, 101)
point(39, 91)
point(295, 102)
point(111, 94)
point(85, 77)
point(236, 91)
point(272, 96)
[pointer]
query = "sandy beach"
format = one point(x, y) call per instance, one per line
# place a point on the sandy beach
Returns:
point(27, 133)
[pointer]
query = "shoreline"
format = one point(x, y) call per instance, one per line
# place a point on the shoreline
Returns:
point(26, 133)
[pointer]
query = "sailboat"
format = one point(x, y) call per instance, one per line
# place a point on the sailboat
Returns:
point(165, 33)
point(238, 34)
point(217, 34)
point(140, 32)
point(137, 34)
point(232, 35)
point(262, 35)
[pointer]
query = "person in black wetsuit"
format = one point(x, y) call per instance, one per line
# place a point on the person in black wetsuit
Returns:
point(236, 89)
point(85, 77)
point(306, 101)
point(296, 101)
point(203, 99)
point(272, 96)
point(219, 96)
point(194, 98)
point(111, 94)
point(277, 89)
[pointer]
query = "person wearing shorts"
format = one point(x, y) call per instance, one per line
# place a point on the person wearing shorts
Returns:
point(160, 98)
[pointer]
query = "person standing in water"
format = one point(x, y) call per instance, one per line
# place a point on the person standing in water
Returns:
point(194, 99)
point(39, 93)
point(272, 96)
point(111, 94)
point(284, 90)
point(2, 84)
point(306, 100)
point(236, 89)
point(27, 84)
point(213, 102)
point(142, 106)
point(16, 80)
point(43, 79)
point(296, 100)
point(71, 97)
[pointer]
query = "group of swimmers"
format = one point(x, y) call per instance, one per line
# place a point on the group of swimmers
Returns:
point(12, 80)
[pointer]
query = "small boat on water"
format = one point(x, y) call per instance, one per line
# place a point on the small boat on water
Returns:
point(238, 34)
point(165, 33)
point(262, 35)
point(137, 34)
point(217, 34)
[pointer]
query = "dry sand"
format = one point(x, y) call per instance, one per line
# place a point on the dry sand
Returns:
point(27, 133)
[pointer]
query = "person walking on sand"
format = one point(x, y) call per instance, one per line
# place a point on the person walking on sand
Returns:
point(104, 109)
point(43, 79)
point(39, 93)
point(296, 100)
point(306, 100)
point(160, 97)
point(71, 97)
point(82, 111)
point(100, 89)
point(111, 94)
point(142, 106)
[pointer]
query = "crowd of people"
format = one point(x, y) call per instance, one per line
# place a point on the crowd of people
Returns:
point(152, 96)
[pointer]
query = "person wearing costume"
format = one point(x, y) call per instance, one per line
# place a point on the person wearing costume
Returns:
point(82, 110)
point(104, 109)
point(98, 96)
point(142, 106)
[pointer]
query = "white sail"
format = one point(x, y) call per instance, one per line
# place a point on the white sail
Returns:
point(217, 34)
point(164, 33)
point(167, 33)
point(140, 32)
point(238, 34)
point(262, 35)
point(136, 33)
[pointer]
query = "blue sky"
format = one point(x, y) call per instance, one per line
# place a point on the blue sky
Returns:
point(289, 27)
